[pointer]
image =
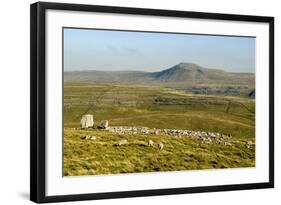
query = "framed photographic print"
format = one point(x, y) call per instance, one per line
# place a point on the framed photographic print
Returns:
point(129, 102)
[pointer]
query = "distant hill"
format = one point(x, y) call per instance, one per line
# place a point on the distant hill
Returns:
point(183, 72)
point(189, 72)
point(107, 76)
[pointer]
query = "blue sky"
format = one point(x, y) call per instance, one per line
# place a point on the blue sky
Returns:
point(90, 49)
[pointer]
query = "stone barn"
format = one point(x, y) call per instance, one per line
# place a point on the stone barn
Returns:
point(87, 121)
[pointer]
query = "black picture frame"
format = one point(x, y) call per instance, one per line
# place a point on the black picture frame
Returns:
point(38, 101)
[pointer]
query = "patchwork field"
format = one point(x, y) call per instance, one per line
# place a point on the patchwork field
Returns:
point(154, 107)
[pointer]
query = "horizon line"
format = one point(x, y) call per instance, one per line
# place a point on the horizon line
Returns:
point(65, 71)
point(145, 71)
point(189, 63)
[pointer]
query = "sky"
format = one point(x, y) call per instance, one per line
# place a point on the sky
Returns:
point(91, 49)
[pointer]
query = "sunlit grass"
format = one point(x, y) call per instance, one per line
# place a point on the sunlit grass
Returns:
point(136, 106)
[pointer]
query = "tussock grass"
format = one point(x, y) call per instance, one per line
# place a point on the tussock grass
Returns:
point(87, 157)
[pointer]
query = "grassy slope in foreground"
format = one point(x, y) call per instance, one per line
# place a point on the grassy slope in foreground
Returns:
point(88, 157)
point(137, 106)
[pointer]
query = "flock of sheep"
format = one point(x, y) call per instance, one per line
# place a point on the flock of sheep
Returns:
point(122, 142)
point(150, 143)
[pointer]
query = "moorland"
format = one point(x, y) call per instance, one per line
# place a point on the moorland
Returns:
point(183, 97)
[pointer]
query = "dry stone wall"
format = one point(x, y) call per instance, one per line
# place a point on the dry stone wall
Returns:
point(201, 135)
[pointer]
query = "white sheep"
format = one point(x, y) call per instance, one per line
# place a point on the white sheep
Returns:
point(122, 142)
point(93, 138)
point(160, 145)
point(150, 143)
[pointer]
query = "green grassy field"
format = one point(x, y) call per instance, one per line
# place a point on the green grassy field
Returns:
point(154, 107)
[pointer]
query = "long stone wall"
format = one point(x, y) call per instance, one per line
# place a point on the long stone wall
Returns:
point(201, 135)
